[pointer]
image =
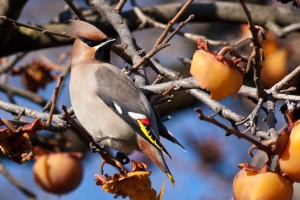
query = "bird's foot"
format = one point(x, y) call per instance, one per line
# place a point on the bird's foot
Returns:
point(122, 158)
point(95, 148)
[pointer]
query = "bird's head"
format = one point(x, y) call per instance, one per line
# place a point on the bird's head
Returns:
point(90, 43)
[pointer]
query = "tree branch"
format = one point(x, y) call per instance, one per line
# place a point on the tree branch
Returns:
point(119, 24)
point(31, 113)
point(16, 183)
point(28, 40)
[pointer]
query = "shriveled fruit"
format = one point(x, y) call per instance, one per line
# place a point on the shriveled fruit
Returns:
point(218, 74)
point(58, 172)
point(249, 185)
point(290, 159)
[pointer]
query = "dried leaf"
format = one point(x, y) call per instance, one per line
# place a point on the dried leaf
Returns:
point(162, 189)
point(16, 144)
point(35, 75)
point(135, 184)
point(138, 166)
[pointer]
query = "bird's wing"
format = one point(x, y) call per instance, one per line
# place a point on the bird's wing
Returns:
point(127, 101)
point(165, 133)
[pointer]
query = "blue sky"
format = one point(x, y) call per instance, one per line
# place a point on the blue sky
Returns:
point(194, 180)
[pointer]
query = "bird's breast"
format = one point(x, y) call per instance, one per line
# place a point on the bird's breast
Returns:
point(102, 123)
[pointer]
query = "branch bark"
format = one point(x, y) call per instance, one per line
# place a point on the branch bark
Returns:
point(27, 40)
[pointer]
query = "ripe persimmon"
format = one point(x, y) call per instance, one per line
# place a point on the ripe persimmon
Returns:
point(253, 185)
point(289, 161)
point(58, 172)
point(218, 74)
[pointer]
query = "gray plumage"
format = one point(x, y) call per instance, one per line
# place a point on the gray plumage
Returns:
point(108, 104)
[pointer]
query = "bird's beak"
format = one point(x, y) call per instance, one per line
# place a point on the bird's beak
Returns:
point(105, 44)
point(108, 41)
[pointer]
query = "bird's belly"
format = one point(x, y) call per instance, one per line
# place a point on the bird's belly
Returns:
point(107, 128)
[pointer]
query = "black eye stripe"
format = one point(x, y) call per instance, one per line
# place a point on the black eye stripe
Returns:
point(92, 43)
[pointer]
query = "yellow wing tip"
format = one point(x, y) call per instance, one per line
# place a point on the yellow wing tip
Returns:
point(171, 178)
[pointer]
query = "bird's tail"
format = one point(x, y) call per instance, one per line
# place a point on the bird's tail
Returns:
point(155, 156)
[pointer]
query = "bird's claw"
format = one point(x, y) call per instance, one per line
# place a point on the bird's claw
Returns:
point(94, 148)
point(122, 158)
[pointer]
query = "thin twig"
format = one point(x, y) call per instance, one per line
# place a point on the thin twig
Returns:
point(8, 66)
point(103, 154)
point(77, 12)
point(158, 79)
point(191, 17)
point(252, 118)
point(232, 131)
point(62, 34)
point(120, 5)
point(256, 56)
point(156, 48)
point(271, 118)
point(16, 183)
point(169, 90)
point(145, 20)
point(290, 28)
point(278, 86)
point(172, 22)
point(47, 106)
point(151, 53)
point(288, 90)
point(54, 99)
point(46, 127)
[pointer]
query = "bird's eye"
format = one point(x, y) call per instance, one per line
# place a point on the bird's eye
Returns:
point(88, 42)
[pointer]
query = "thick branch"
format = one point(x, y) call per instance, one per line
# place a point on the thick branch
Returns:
point(31, 113)
point(119, 24)
point(32, 96)
point(26, 40)
point(16, 183)
point(12, 9)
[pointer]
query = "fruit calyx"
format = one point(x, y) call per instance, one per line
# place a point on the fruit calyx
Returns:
point(229, 62)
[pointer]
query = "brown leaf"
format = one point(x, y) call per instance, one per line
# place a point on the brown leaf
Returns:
point(135, 184)
point(159, 197)
point(15, 144)
point(138, 166)
point(35, 75)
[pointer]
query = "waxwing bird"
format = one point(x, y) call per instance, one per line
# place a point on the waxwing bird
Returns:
point(108, 104)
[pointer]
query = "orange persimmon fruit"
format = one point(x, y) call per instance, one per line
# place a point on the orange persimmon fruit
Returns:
point(252, 185)
point(58, 172)
point(218, 74)
point(289, 161)
point(275, 63)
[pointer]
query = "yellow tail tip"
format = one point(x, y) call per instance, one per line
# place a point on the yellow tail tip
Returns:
point(171, 178)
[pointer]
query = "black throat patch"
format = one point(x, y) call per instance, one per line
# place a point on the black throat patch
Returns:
point(103, 53)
